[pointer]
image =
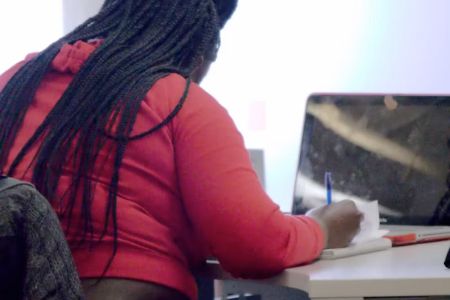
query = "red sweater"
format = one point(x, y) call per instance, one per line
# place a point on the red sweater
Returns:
point(185, 192)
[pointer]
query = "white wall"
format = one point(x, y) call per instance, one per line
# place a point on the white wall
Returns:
point(27, 26)
point(77, 11)
point(273, 56)
point(275, 53)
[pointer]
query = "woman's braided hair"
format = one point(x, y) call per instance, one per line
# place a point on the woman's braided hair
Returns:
point(143, 41)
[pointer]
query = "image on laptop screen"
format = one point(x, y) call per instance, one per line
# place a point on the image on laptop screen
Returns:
point(378, 147)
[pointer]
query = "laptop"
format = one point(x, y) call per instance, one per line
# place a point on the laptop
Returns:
point(389, 148)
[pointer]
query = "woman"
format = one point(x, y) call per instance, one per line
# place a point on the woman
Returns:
point(441, 214)
point(147, 172)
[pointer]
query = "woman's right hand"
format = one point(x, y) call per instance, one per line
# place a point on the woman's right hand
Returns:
point(340, 222)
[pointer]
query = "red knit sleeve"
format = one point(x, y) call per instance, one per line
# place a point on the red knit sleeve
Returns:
point(226, 203)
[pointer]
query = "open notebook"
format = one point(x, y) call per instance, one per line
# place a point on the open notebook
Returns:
point(388, 148)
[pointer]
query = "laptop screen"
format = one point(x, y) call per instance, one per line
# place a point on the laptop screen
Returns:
point(377, 147)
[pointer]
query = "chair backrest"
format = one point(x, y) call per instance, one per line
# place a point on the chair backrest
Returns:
point(12, 255)
point(35, 259)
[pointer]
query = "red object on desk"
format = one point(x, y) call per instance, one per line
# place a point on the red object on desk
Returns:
point(411, 238)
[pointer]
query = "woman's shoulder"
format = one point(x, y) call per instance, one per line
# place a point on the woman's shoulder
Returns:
point(9, 73)
point(197, 108)
point(173, 86)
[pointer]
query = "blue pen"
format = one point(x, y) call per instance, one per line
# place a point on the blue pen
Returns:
point(328, 185)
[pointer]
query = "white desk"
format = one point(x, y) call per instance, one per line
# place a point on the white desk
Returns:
point(416, 270)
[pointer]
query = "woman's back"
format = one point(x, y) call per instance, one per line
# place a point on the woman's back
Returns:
point(156, 240)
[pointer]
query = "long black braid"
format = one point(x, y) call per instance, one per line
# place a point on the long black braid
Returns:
point(143, 41)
